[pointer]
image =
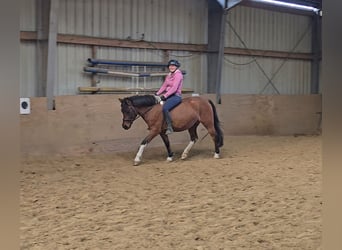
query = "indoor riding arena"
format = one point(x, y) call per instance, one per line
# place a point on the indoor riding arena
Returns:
point(257, 62)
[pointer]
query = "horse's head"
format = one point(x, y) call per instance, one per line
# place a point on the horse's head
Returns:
point(129, 113)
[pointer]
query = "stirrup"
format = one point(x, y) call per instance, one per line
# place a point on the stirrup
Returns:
point(169, 131)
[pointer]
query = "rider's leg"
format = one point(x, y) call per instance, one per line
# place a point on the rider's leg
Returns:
point(168, 120)
point(170, 103)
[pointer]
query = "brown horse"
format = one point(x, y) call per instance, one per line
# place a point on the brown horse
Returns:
point(187, 115)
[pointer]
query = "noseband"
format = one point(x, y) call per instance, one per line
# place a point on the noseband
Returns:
point(131, 120)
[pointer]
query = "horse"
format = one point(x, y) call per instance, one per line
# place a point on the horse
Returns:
point(186, 116)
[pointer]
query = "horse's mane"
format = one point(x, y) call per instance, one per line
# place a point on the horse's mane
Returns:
point(142, 100)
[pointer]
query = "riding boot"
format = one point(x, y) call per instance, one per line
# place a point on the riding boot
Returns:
point(168, 120)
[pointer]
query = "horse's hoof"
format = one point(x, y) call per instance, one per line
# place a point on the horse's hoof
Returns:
point(169, 159)
point(216, 156)
point(184, 157)
point(136, 163)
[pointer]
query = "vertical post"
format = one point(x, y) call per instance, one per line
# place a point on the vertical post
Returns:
point(316, 51)
point(220, 57)
point(52, 54)
point(42, 9)
point(216, 33)
point(217, 12)
point(166, 56)
point(93, 75)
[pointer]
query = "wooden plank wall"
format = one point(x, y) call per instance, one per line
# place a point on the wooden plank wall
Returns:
point(88, 119)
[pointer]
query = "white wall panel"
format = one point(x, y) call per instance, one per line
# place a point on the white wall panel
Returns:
point(179, 21)
point(267, 30)
point(260, 29)
point(70, 76)
point(151, 20)
point(28, 70)
point(242, 75)
point(28, 15)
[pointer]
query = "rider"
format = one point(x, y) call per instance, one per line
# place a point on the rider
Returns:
point(171, 91)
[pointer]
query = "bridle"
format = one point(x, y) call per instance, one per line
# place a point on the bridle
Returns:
point(136, 113)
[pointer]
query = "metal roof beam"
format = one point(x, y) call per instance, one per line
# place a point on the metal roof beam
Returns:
point(231, 3)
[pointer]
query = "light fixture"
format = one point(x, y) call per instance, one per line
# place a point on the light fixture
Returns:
point(289, 5)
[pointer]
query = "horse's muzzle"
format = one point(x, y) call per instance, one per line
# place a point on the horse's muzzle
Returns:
point(126, 126)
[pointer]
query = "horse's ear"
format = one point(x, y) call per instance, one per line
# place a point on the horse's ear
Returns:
point(126, 101)
point(129, 102)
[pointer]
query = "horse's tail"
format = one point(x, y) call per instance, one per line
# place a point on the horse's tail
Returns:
point(219, 133)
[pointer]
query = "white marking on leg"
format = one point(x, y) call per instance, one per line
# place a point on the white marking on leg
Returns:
point(187, 149)
point(137, 159)
point(217, 156)
point(169, 159)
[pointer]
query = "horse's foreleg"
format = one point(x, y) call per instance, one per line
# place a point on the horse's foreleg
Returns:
point(167, 145)
point(193, 139)
point(137, 159)
point(187, 150)
point(143, 144)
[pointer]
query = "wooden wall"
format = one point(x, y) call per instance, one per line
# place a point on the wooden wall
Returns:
point(90, 119)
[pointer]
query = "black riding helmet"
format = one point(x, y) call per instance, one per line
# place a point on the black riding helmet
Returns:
point(174, 62)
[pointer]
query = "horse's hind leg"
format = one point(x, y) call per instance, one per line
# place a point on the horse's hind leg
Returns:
point(193, 139)
point(217, 147)
point(212, 133)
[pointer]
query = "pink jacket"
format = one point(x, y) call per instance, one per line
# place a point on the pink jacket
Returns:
point(172, 85)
